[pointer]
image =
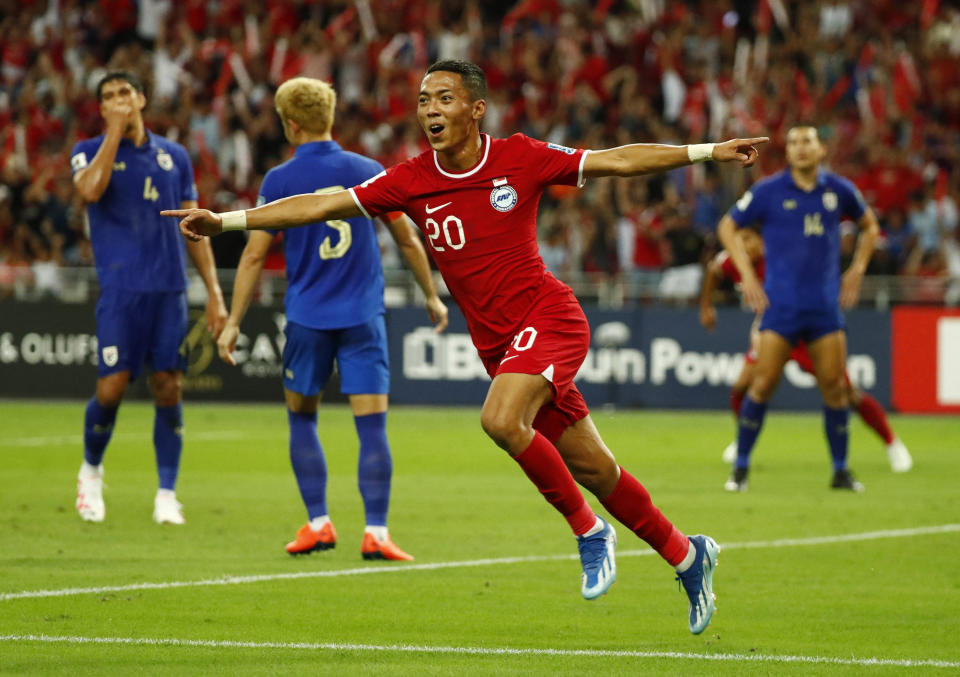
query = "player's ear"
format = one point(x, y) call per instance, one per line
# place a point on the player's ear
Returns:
point(141, 100)
point(479, 108)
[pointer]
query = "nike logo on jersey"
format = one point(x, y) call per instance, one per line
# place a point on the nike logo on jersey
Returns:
point(430, 210)
point(508, 358)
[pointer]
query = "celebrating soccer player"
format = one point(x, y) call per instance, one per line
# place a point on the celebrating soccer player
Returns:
point(871, 411)
point(126, 176)
point(334, 306)
point(475, 199)
point(800, 209)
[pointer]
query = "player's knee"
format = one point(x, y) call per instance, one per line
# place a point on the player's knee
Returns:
point(505, 429)
point(761, 389)
point(167, 388)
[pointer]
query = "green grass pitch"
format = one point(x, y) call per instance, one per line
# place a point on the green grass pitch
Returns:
point(495, 586)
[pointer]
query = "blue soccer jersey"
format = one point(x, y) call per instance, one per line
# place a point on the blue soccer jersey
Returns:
point(135, 248)
point(801, 234)
point(334, 275)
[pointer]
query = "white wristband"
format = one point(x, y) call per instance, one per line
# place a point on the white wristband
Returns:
point(233, 220)
point(700, 152)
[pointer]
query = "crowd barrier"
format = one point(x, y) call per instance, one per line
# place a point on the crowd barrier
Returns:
point(652, 357)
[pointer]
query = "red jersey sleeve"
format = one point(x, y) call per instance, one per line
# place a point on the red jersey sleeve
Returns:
point(727, 266)
point(552, 163)
point(385, 192)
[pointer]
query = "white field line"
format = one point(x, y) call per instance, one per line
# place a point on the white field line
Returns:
point(488, 651)
point(67, 440)
point(459, 564)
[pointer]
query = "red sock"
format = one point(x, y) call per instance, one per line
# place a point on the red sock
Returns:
point(630, 503)
point(546, 469)
point(874, 416)
point(736, 399)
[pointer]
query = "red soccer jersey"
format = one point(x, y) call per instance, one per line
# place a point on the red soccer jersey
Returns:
point(481, 226)
point(729, 268)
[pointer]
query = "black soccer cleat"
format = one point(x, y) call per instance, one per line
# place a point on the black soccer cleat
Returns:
point(737, 480)
point(844, 479)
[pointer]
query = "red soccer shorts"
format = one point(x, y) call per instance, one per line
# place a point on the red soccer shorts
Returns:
point(552, 342)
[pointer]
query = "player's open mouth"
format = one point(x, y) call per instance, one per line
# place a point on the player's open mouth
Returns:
point(435, 130)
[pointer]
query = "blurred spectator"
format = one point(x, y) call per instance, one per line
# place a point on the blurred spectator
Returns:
point(897, 242)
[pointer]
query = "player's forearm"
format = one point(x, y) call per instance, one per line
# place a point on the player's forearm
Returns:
point(92, 182)
point(866, 243)
point(727, 233)
point(201, 253)
point(709, 286)
point(248, 273)
point(299, 210)
point(416, 257)
point(643, 158)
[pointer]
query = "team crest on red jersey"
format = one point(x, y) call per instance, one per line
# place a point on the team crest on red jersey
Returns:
point(503, 197)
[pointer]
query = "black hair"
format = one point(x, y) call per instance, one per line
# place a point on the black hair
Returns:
point(474, 80)
point(126, 76)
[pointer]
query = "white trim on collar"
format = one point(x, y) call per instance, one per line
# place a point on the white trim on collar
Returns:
point(483, 161)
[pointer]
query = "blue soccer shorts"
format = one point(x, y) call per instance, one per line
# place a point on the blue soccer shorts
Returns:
point(802, 325)
point(360, 352)
point(137, 328)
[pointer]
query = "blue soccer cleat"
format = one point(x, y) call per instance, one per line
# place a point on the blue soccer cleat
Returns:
point(599, 561)
point(698, 582)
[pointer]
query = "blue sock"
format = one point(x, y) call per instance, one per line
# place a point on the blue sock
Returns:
point(309, 465)
point(168, 443)
point(835, 422)
point(97, 429)
point(748, 429)
point(375, 467)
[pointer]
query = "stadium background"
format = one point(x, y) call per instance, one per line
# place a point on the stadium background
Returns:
point(879, 79)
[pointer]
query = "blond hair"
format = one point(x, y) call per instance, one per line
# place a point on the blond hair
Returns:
point(308, 102)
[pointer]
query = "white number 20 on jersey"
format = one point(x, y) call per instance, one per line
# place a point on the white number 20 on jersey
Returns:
point(328, 250)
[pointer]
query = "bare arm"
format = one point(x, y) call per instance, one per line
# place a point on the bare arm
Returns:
point(91, 182)
point(866, 243)
point(647, 158)
point(248, 272)
point(297, 210)
point(202, 256)
point(414, 254)
point(753, 292)
point(708, 313)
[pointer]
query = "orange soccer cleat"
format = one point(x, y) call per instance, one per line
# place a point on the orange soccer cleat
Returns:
point(385, 549)
point(308, 540)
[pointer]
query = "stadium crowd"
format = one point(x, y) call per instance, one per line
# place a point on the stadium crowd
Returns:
point(880, 79)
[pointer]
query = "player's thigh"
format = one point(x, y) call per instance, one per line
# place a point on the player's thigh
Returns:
point(167, 387)
point(512, 403)
point(299, 403)
point(364, 405)
point(111, 388)
point(167, 334)
point(308, 356)
point(363, 359)
point(773, 352)
point(124, 321)
point(829, 356)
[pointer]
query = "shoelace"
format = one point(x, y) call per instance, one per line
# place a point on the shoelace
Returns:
point(594, 548)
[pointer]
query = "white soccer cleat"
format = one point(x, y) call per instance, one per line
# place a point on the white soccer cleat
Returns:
point(167, 509)
point(899, 457)
point(730, 453)
point(90, 493)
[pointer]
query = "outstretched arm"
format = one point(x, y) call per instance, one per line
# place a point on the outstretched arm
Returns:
point(647, 158)
point(297, 210)
point(413, 252)
point(753, 292)
point(850, 285)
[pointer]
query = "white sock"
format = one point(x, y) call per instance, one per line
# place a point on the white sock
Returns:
point(379, 533)
point(317, 523)
point(166, 494)
point(88, 469)
point(595, 529)
point(689, 559)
